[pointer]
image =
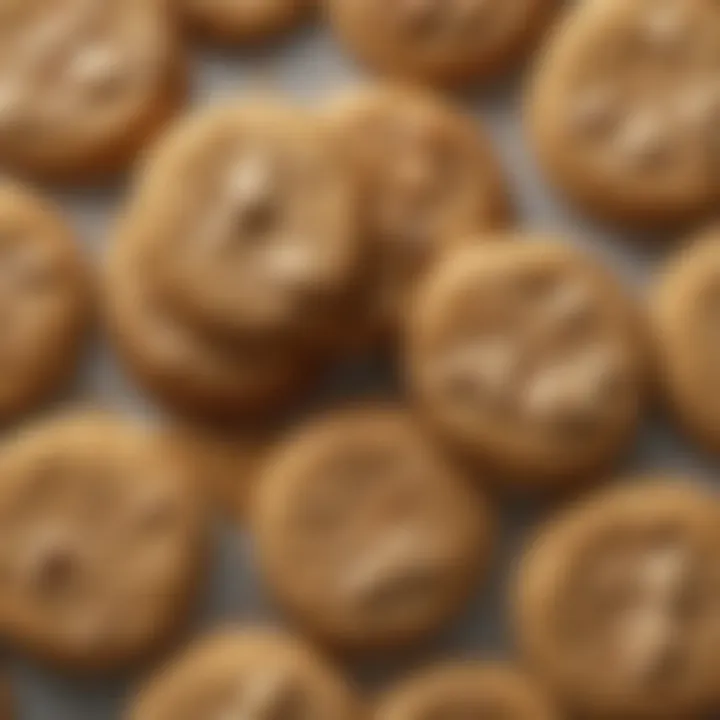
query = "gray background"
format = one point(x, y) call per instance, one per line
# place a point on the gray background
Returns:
point(310, 67)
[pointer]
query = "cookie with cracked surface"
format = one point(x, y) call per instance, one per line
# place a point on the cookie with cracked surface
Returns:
point(623, 109)
point(616, 603)
point(466, 689)
point(365, 535)
point(103, 541)
point(248, 217)
point(429, 176)
point(528, 357)
point(44, 300)
point(440, 42)
point(247, 673)
point(683, 306)
point(244, 21)
point(84, 84)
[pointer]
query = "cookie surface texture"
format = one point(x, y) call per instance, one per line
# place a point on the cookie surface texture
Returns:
point(440, 42)
point(45, 298)
point(683, 303)
point(528, 356)
point(623, 106)
point(244, 21)
point(466, 689)
point(84, 84)
point(247, 673)
point(241, 237)
point(365, 536)
point(617, 601)
point(103, 540)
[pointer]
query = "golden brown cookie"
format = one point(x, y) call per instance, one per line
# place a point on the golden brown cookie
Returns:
point(623, 108)
point(249, 217)
point(44, 300)
point(528, 356)
point(442, 42)
point(466, 689)
point(247, 673)
point(239, 248)
point(683, 306)
point(102, 541)
point(429, 176)
point(617, 602)
point(244, 21)
point(186, 370)
point(365, 535)
point(84, 83)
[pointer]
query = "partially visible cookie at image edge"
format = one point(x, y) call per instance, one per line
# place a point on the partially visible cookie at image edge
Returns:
point(104, 541)
point(243, 21)
point(440, 42)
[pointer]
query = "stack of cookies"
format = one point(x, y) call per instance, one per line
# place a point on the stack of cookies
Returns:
point(259, 247)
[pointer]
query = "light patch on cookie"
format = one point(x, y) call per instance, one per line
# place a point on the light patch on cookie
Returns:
point(665, 26)
point(573, 394)
point(96, 68)
point(12, 105)
point(252, 192)
point(486, 368)
point(401, 559)
point(594, 111)
point(570, 304)
point(648, 636)
point(265, 697)
point(642, 140)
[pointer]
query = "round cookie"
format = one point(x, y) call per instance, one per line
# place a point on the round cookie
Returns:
point(244, 21)
point(44, 301)
point(84, 83)
point(429, 176)
point(623, 107)
point(365, 536)
point(247, 673)
point(102, 541)
point(186, 370)
point(683, 307)
point(466, 690)
point(247, 218)
point(617, 603)
point(529, 358)
point(442, 42)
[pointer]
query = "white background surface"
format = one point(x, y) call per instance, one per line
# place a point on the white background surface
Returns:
point(310, 67)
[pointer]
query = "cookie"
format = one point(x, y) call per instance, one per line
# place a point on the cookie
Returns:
point(247, 673)
point(242, 236)
point(44, 301)
point(364, 534)
point(249, 215)
point(466, 690)
point(528, 357)
point(84, 83)
point(441, 42)
point(185, 370)
point(429, 176)
point(617, 603)
point(103, 541)
point(683, 303)
point(623, 105)
point(239, 21)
